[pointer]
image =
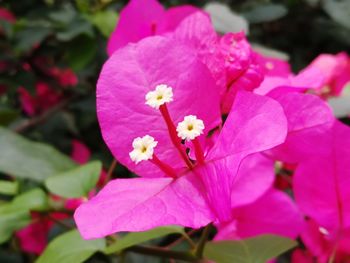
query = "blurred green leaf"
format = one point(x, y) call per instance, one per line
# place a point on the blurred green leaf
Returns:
point(77, 27)
point(338, 10)
point(11, 220)
point(35, 199)
point(105, 21)
point(15, 215)
point(70, 248)
point(80, 52)
point(75, 183)
point(265, 13)
point(26, 39)
point(7, 116)
point(8, 187)
point(135, 238)
point(23, 158)
point(252, 250)
point(64, 15)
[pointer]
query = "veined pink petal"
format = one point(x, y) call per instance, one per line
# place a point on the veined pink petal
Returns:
point(140, 204)
point(129, 75)
point(309, 118)
point(198, 32)
point(273, 213)
point(137, 20)
point(174, 16)
point(255, 124)
point(323, 182)
point(144, 18)
point(255, 176)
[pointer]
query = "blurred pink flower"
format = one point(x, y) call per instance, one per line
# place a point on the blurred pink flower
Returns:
point(44, 99)
point(336, 69)
point(7, 15)
point(65, 77)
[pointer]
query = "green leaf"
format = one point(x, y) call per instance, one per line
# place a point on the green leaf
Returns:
point(266, 13)
point(70, 248)
point(8, 187)
point(7, 116)
point(12, 219)
point(22, 158)
point(105, 21)
point(252, 250)
point(78, 27)
point(15, 215)
point(135, 238)
point(27, 38)
point(75, 183)
point(35, 199)
point(80, 52)
point(338, 10)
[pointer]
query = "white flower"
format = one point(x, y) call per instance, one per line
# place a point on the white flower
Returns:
point(143, 148)
point(162, 94)
point(190, 128)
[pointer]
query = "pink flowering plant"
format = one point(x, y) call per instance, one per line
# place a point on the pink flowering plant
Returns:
point(165, 137)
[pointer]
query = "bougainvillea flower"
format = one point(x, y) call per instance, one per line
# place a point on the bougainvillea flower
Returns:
point(140, 19)
point(142, 100)
point(323, 244)
point(274, 67)
point(311, 78)
point(330, 194)
point(65, 77)
point(6, 15)
point(3, 89)
point(302, 256)
point(309, 119)
point(44, 99)
point(34, 237)
point(230, 59)
point(273, 213)
point(336, 71)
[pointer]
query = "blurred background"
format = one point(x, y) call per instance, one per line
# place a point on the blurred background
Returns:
point(52, 52)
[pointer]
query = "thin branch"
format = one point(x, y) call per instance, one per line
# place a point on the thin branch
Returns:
point(110, 171)
point(186, 237)
point(164, 253)
point(42, 117)
point(59, 222)
point(202, 240)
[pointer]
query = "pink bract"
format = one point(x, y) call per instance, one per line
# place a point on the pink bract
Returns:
point(143, 18)
point(336, 69)
point(309, 119)
point(273, 213)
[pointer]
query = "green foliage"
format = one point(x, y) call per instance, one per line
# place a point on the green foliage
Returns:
point(15, 215)
point(70, 248)
point(135, 238)
point(23, 158)
point(8, 187)
point(77, 182)
point(252, 250)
